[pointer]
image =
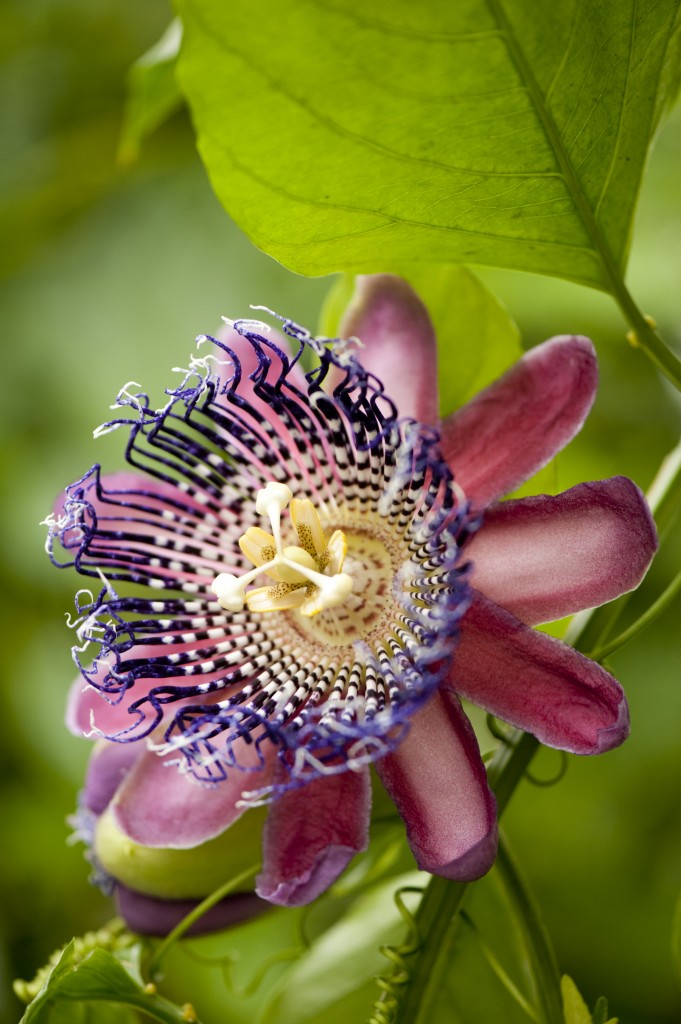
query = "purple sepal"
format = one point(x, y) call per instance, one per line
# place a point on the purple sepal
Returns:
point(150, 916)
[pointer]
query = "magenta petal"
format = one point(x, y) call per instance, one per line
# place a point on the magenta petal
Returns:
point(438, 782)
point(517, 424)
point(399, 342)
point(249, 366)
point(89, 710)
point(119, 484)
point(545, 557)
point(159, 806)
point(150, 916)
point(108, 766)
point(537, 683)
point(310, 836)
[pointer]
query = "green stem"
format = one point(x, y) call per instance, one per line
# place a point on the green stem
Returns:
point(501, 974)
point(648, 616)
point(198, 911)
point(645, 336)
point(541, 957)
point(442, 898)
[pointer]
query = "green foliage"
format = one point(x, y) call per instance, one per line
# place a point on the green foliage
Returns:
point(153, 93)
point(484, 132)
point(334, 978)
point(575, 1009)
point(477, 338)
point(87, 983)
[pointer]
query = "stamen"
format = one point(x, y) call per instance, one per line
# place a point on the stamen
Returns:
point(296, 567)
point(271, 502)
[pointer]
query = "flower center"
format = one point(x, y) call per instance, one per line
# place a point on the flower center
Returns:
point(307, 575)
point(366, 614)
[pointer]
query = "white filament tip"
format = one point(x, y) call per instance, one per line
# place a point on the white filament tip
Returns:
point(336, 589)
point(229, 591)
point(272, 497)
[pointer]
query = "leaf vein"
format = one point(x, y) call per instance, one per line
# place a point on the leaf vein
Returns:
point(388, 218)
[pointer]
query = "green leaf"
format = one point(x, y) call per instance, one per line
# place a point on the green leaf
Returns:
point(356, 138)
point(342, 962)
point(676, 936)
point(100, 986)
point(153, 92)
point(476, 336)
point(575, 1009)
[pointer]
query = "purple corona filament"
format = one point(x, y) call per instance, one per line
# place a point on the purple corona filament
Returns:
point(331, 692)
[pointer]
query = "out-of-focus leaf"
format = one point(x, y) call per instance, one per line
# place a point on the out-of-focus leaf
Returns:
point(342, 960)
point(477, 338)
point(600, 1014)
point(465, 986)
point(153, 92)
point(509, 134)
point(92, 988)
point(676, 936)
point(575, 1009)
point(335, 304)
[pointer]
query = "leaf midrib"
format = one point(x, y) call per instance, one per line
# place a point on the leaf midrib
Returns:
point(555, 142)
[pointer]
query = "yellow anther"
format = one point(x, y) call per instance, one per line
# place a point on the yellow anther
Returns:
point(257, 545)
point(307, 575)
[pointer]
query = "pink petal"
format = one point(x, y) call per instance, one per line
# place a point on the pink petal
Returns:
point(148, 915)
point(310, 836)
point(88, 710)
point(537, 683)
point(91, 712)
point(136, 501)
point(108, 766)
point(400, 349)
point(516, 425)
point(438, 782)
point(545, 557)
point(159, 806)
point(249, 364)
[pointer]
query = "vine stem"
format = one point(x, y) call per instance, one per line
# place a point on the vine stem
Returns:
point(651, 613)
point(644, 335)
point(437, 913)
point(442, 899)
point(544, 968)
point(198, 911)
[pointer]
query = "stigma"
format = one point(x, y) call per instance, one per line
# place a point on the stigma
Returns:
point(307, 575)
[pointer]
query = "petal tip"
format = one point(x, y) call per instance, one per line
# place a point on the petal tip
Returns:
point(571, 345)
point(471, 865)
point(295, 892)
point(614, 735)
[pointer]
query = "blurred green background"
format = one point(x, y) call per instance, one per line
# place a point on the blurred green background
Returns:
point(108, 273)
